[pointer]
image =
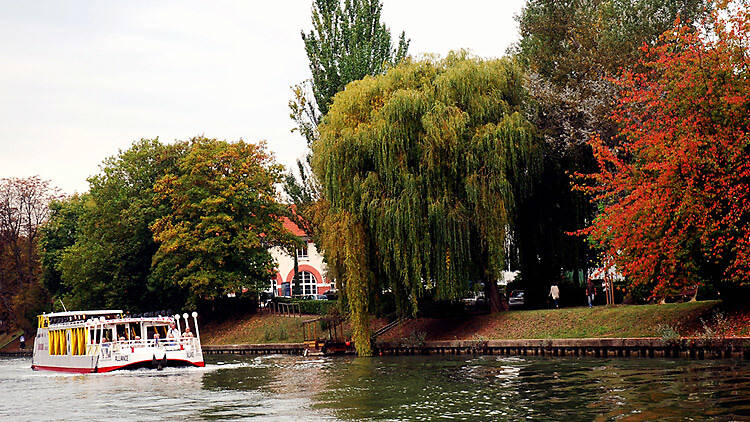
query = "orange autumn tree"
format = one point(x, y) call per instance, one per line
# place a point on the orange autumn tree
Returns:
point(674, 192)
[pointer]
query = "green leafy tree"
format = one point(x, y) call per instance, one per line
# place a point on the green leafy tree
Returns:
point(110, 262)
point(421, 168)
point(58, 233)
point(221, 217)
point(570, 51)
point(348, 42)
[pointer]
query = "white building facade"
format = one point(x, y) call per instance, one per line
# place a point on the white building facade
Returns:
point(310, 265)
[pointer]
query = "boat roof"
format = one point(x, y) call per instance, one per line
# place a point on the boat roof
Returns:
point(87, 313)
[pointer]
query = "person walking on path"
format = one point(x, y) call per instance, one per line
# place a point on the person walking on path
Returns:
point(22, 341)
point(590, 292)
point(554, 291)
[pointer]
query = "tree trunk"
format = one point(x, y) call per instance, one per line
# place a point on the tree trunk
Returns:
point(295, 280)
point(492, 293)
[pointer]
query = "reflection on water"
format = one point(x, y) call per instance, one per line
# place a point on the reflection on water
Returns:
point(388, 388)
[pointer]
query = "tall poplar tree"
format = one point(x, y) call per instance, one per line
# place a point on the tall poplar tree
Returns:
point(421, 168)
point(346, 43)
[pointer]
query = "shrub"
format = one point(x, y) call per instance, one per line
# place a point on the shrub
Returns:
point(317, 307)
point(668, 334)
point(283, 335)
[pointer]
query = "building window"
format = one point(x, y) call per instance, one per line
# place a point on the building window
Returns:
point(309, 284)
point(302, 253)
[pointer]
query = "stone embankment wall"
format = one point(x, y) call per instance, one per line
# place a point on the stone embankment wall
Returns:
point(690, 348)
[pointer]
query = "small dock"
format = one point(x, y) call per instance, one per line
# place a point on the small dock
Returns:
point(256, 349)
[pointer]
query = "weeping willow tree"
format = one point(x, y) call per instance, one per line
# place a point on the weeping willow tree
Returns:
point(420, 170)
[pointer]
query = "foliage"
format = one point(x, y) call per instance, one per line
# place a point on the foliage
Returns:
point(110, 261)
point(675, 193)
point(316, 307)
point(221, 217)
point(669, 335)
point(420, 168)
point(586, 39)
point(347, 43)
point(57, 234)
point(23, 209)
point(29, 302)
point(569, 49)
point(415, 339)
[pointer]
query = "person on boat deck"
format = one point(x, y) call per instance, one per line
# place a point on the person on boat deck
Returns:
point(173, 331)
point(187, 332)
point(156, 338)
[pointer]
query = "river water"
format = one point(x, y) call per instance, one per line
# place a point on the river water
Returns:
point(422, 388)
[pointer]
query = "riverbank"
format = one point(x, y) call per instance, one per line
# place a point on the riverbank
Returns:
point(622, 321)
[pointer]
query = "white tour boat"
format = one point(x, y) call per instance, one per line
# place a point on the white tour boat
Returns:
point(102, 341)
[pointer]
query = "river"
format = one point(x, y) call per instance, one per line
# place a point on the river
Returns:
point(422, 388)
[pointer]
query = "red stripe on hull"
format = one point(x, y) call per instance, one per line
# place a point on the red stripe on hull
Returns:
point(62, 369)
point(113, 368)
point(106, 368)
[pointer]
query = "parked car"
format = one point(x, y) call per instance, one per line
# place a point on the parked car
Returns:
point(517, 299)
point(476, 299)
point(316, 297)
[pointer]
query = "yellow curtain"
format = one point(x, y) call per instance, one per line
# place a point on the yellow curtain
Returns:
point(73, 341)
point(82, 342)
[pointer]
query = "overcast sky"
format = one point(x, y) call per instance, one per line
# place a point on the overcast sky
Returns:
point(81, 79)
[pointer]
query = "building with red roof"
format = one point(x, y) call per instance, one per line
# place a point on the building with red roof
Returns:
point(310, 264)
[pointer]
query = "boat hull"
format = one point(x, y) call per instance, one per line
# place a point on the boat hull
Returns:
point(133, 365)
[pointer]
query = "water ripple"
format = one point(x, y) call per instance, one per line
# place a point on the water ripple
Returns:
point(390, 388)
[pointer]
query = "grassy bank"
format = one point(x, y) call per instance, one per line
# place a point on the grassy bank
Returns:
point(255, 329)
point(582, 322)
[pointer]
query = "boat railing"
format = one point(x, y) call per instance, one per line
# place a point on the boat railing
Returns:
point(182, 343)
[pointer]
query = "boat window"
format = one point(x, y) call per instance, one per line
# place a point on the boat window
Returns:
point(107, 338)
point(135, 331)
point(121, 332)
